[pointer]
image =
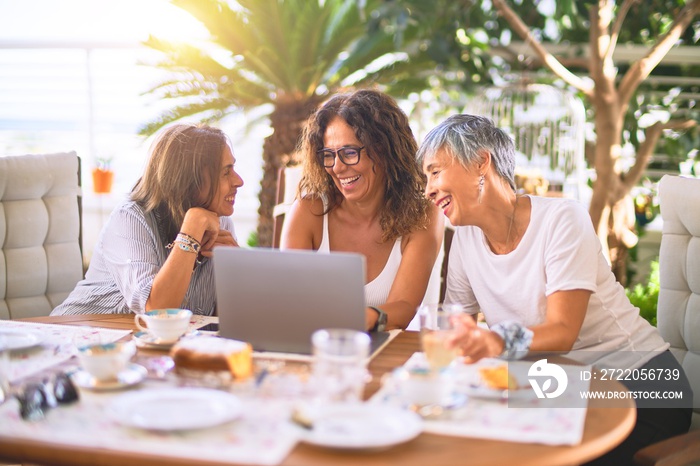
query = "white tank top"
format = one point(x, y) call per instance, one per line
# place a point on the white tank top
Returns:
point(376, 291)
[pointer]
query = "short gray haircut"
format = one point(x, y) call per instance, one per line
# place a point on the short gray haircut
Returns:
point(463, 136)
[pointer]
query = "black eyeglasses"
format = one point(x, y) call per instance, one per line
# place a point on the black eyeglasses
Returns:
point(350, 155)
point(36, 398)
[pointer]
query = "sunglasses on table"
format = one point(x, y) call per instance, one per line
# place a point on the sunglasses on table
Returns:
point(349, 155)
point(37, 397)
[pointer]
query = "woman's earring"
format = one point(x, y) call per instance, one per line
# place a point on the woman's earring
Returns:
point(481, 186)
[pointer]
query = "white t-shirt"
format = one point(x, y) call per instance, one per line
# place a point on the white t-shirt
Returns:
point(559, 251)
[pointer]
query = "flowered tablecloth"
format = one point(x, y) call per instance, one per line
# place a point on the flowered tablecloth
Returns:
point(526, 419)
point(261, 435)
point(57, 343)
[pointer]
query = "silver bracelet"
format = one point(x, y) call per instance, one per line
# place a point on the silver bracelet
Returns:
point(516, 339)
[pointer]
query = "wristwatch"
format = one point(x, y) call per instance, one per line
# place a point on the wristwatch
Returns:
point(380, 326)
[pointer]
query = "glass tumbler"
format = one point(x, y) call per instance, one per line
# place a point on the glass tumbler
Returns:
point(435, 326)
point(339, 365)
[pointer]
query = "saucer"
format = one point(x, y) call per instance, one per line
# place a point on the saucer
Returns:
point(132, 375)
point(146, 340)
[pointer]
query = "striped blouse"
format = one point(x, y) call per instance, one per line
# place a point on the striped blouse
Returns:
point(128, 255)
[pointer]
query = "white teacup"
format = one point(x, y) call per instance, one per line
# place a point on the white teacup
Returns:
point(165, 325)
point(104, 361)
point(420, 386)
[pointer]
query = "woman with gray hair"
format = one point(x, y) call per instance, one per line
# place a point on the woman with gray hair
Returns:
point(534, 267)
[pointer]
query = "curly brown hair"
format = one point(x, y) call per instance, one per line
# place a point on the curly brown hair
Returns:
point(383, 128)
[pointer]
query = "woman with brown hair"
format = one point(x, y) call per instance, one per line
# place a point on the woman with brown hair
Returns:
point(361, 192)
point(153, 251)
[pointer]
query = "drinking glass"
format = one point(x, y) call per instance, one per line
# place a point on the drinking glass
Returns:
point(339, 367)
point(435, 326)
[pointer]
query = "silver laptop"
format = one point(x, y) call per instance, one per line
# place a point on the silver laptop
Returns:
point(276, 299)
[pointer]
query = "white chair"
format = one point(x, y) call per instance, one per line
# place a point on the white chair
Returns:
point(678, 311)
point(40, 232)
point(288, 179)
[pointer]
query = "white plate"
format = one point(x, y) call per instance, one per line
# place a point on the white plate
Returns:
point(175, 408)
point(488, 393)
point(133, 375)
point(470, 382)
point(363, 426)
point(20, 339)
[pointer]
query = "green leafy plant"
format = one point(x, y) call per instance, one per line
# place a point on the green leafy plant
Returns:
point(252, 240)
point(646, 296)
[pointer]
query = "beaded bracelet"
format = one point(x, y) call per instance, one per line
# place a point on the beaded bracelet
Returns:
point(516, 339)
point(186, 243)
point(189, 247)
point(188, 238)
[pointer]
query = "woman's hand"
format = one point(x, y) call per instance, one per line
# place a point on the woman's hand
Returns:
point(472, 341)
point(202, 225)
point(209, 242)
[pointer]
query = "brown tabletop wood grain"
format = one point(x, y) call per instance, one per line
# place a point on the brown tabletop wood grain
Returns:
point(605, 427)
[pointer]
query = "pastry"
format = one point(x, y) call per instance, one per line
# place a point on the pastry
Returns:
point(498, 377)
point(213, 354)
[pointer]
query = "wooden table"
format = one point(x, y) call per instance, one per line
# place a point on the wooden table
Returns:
point(605, 427)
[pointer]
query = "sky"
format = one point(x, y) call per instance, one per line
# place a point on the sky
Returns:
point(100, 20)
point(32, 64)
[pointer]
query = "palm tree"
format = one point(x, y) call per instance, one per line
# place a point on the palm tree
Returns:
point(288, 53)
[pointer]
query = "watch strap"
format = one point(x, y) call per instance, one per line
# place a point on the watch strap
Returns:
point(380, 325)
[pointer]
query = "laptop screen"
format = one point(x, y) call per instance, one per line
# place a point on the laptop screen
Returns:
point(276, 299)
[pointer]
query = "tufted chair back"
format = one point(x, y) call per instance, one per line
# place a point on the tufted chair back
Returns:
point(40, 232)
point(678, 313)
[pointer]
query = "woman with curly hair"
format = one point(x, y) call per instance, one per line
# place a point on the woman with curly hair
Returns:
point(362, 192)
